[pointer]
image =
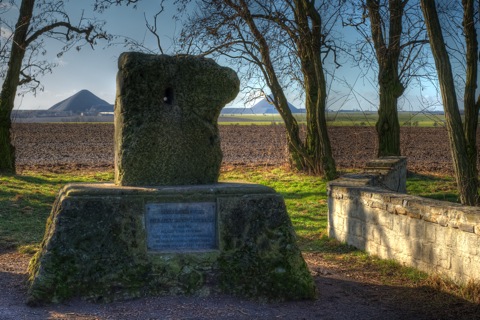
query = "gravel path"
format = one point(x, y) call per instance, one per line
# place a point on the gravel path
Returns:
point(343, 293)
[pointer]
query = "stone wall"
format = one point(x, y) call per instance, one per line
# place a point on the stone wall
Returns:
point(433, 236)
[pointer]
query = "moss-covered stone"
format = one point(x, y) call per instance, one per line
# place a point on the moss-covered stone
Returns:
point(259, 255)
point(166, 113)
point(95, 247)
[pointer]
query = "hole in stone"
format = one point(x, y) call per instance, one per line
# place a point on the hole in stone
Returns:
point(168, 97)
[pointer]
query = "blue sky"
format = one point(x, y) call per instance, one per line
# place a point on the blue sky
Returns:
point(95, 70)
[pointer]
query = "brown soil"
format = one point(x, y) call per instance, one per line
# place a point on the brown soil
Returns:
point(79, 146)
point(344, 291)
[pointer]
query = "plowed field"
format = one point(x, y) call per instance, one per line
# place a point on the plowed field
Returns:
point(90, 146)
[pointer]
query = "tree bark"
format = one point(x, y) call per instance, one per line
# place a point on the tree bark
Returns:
point(390, 87)
point(10, 84)
point(314, 156)
point(388, 126)
point(467, 181)
point(471, 107)
point(309, 48)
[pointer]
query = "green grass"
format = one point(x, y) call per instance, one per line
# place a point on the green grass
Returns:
point(369, 118)
point(305, 197)
point(306, 200)
point(248, 123)
point(433, 187)
point(26, 201)
point(406, 119)
point(249, 119)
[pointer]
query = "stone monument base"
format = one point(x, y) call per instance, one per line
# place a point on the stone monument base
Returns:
point(105, 242)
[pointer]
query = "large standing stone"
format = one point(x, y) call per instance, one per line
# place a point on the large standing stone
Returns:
point(166, 114)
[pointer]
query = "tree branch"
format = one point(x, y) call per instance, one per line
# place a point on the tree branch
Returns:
point(87, 31)
point(413, 42)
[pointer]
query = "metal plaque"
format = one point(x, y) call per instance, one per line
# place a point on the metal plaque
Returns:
point(181, 226)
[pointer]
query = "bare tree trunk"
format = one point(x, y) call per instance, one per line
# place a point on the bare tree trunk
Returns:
point(387, 51)
point(471, 107)
point(309, 47)
point(388, 127)
point(315, 155)
point(325, 150)
point(317, 144)
point(7, 150)
point(298, 156)
point(9, 87)
point(467, 181)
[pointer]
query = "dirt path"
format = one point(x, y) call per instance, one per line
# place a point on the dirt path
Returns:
point(343, 293)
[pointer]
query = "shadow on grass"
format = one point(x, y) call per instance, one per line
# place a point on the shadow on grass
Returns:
point(434, 187)
point(324, 244)
point(53, 179)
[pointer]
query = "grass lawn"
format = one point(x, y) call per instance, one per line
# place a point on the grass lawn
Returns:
point(26, 201)
point(434, 187)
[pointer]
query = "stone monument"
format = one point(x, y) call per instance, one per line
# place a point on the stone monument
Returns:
point(167, 226)
point(166, 119)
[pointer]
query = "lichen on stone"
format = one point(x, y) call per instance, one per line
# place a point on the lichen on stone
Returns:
point(166, 113)
point(95, 247)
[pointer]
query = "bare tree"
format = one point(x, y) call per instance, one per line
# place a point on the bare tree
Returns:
point(462, 137)
point(394, 34)
point(134, 44)
point(470, 24)
point(21, 58)
point(101, 5)
point(274, 44)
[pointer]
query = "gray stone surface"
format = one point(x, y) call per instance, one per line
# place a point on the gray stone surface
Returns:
point(166, 113)
point(389, 172)
point(433, 236)
point(95, 246)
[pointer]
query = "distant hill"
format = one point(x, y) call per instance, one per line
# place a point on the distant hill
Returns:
point(262, 107)
point(265, 107)
point(81, 102)
point(237, 111)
